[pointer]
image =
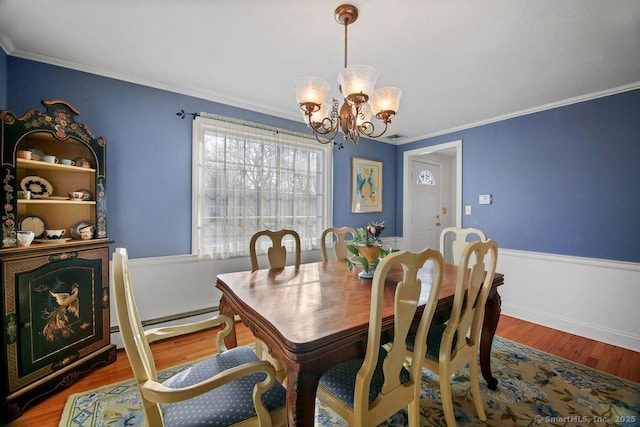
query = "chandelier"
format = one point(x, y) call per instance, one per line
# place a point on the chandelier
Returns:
point(360, 103)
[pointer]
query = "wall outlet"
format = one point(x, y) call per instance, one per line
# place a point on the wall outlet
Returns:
point(467, 210)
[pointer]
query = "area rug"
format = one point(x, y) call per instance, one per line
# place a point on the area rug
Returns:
point(535, 388)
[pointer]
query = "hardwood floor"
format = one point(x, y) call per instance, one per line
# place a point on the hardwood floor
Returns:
point(614, 360)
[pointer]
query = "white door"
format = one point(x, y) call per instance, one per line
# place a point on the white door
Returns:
point(426, 206)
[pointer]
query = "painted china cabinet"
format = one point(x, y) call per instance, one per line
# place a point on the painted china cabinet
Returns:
point(55, 290)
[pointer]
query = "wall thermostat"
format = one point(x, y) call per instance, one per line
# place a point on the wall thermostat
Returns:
point(485, 199)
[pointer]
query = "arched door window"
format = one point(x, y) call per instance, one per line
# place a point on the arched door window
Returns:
point(425, 177)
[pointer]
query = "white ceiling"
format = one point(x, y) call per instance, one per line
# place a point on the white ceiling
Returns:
point(458, 62)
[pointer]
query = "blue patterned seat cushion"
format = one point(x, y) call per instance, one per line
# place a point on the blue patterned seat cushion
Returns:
point(225, 405)
point(434, 338)
point(340, 380)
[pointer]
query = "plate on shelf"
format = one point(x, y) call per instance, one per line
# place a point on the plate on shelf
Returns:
point(75, 228)
point(32, 223)
point(58, 198)
point(39, 187)
point(53, 241)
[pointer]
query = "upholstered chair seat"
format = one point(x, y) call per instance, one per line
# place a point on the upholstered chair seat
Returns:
point(227, 405)
point(340, 380)
point(434, 338)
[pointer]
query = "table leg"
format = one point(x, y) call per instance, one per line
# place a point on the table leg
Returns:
point(230, 340)
point(301, 397)
point(489, 326)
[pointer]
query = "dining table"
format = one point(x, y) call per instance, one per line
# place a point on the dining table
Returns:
point(316, 315)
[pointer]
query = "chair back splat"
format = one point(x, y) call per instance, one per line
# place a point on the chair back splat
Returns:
point(339, 244)
point(368, 391)
point(457, 239)
point(277, 253)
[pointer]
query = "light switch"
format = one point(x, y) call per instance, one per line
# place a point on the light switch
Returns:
point(485, 199)
point(467, 210)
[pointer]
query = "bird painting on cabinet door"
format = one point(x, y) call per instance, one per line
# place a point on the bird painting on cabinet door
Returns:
point(57, 320)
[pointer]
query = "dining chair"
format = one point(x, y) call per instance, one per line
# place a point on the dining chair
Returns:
point(455, 343)
point(277, 253)
point(367, 391)
point(339, 245)
point(228, 388)
point(459, 239)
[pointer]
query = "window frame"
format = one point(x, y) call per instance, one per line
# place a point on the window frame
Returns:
point(199, 128)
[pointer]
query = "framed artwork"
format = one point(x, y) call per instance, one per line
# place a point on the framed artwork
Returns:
point(366, 185)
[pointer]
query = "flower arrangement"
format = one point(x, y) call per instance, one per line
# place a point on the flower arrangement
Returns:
point(367, 247)
point(369, 235)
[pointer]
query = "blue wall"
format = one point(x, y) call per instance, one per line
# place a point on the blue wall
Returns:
point(3, 79)
point(564, 181)
point(149, 153)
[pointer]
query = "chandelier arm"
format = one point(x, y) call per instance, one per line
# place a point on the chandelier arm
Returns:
point(325, 127)
point(325, 131)
point(370, 133)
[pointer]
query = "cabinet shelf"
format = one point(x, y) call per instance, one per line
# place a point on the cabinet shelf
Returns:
point(44, 166)
point(55, 202)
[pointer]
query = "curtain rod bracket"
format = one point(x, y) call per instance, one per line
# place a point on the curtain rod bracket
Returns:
point(182, 114)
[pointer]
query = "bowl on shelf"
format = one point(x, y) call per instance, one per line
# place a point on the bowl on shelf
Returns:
point(82, 162)
point(36, 154)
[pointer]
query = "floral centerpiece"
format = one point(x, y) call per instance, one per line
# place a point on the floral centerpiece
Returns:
point(367, 249)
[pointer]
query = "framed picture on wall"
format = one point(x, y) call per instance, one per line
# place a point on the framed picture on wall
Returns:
point(366, 185)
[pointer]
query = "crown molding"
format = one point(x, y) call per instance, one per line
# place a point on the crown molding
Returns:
point(550, 106)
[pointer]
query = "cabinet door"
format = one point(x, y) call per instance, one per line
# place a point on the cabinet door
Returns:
point(61, 311)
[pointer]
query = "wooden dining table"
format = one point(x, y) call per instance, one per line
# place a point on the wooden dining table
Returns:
point(316, 315)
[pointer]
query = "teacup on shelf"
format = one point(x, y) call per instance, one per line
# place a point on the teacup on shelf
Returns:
point(78, 195)
point(50, 159)
point(25, 237)
point(24, 154)
point(54, 234)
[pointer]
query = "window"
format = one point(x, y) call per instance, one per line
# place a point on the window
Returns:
point(425, 177)
point(248, 177)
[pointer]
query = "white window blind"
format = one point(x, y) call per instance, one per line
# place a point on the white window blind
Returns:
point(248, 177)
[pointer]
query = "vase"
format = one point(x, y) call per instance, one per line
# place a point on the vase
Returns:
point(371, 253)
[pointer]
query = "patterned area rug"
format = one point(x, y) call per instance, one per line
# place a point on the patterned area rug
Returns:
point(535, 388)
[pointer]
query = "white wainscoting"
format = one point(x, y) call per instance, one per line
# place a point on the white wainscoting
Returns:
point(593, 298)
